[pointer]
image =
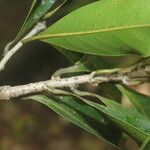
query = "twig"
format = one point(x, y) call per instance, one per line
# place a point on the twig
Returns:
point(39, 27)
point(7, 47)
point(8, 92)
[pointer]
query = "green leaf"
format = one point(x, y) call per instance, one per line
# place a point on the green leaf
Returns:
point(129, 120)
point(106, 27)
point(66, 9)
point(110, 91)
point(89, 63)
point(146, 144)
point(57, 8)
point(37, 11)
point(94, 63)
point(140, 102)
point(82, 115)
point(71, 56)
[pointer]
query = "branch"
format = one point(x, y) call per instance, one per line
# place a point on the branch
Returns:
point(127, 78)
point(39, 27)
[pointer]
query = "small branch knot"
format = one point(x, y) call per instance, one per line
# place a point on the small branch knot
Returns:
point(41, 26)
point(125, 80)
point(91, 77)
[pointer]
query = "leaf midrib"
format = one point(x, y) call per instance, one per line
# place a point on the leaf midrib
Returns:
point(128, 124)
point(57, 35)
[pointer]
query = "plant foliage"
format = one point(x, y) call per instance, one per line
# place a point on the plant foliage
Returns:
point(94, 35)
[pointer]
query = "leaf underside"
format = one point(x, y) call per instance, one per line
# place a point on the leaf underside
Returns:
point(106, 27)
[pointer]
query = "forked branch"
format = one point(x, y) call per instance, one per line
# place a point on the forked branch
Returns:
point(136, 76)
point(39, 27)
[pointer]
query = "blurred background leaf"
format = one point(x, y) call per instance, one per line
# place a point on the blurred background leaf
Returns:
point(140, 101)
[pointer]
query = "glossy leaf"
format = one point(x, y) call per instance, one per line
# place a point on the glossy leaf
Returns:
point(129, 120)
point(57, 8)
point(82, 115)
point(106, 27)
point(37, 11)
point(66, 9)
point(140, 102)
